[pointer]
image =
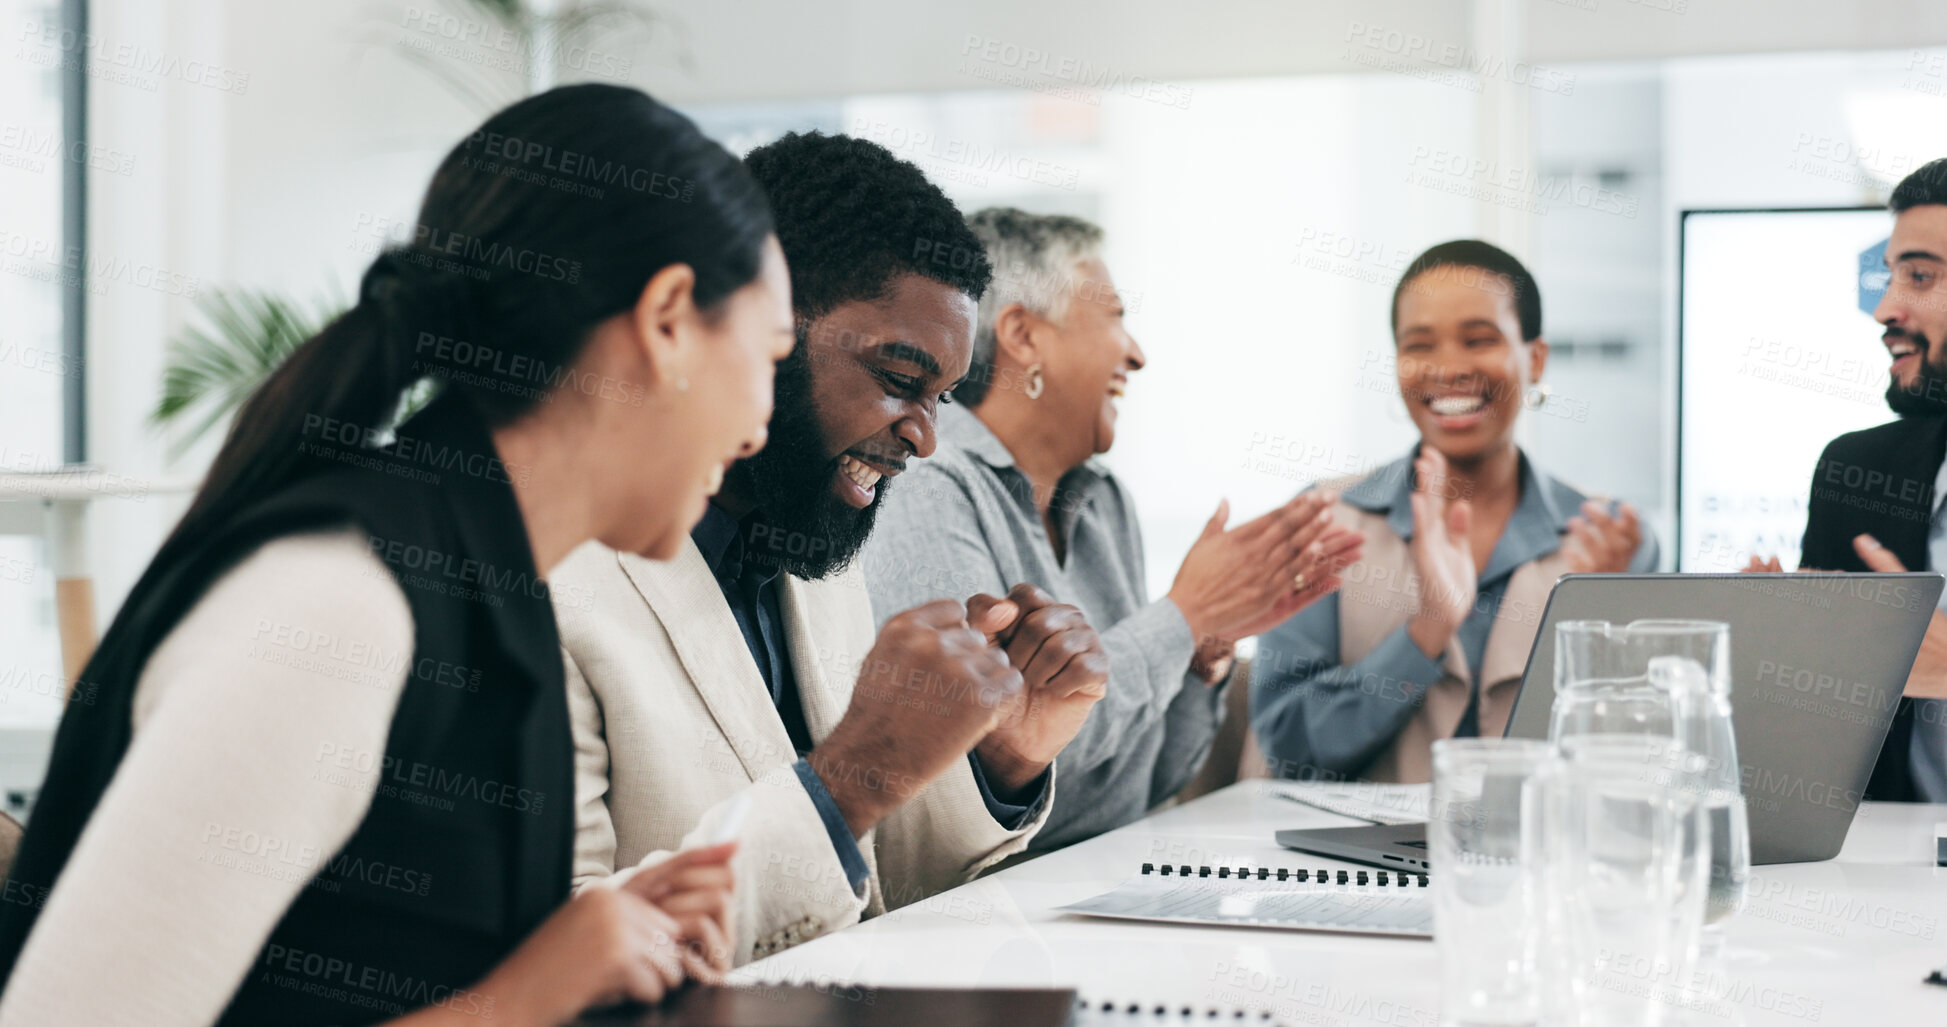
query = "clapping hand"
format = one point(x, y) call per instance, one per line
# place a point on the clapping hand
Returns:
point(1239, 582)
point(1599, 543)
point(1442, 554)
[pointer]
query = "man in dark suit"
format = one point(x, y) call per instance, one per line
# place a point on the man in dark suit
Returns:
point(1877, 494)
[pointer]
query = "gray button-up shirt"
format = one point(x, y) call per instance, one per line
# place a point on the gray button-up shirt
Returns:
point(965, 521)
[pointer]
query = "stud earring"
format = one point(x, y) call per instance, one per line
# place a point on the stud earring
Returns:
point(1536, 397)
point(682, 384)
point(1034, 386)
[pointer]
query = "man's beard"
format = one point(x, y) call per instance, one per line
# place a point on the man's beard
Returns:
point(799, 525)
point(1927, 395)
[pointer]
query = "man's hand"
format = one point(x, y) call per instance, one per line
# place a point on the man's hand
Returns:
point(1601, 544)
point(930, 688)
point(1064, 670)
point(1442, 553)
point(1764, 565)
point(1928, 679)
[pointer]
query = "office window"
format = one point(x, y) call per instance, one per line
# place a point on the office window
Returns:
point(33, 160)
point(36, 271)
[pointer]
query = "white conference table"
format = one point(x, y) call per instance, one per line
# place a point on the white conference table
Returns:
point(1846, 941)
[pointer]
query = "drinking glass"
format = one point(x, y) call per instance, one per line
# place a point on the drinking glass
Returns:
point(1485, 888)
point(1666, 763)
point(1619, 831)
point(1706, 730)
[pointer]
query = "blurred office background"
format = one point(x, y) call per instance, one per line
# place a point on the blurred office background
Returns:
point(1264, 170)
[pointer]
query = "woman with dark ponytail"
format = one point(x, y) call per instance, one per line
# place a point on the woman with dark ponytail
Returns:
point(327, 773)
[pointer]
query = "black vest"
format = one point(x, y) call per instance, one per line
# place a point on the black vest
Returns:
point(466, 847)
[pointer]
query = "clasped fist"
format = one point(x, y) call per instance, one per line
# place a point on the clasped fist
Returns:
point(933, 668)
point(931, 687)
point(1064, 672)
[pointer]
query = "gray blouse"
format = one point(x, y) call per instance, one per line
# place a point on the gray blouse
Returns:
point(965, 521)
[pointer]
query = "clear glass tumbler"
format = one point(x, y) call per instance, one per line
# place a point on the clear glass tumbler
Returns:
point(1707, 733)
point(1666, 763)
point(1485, 886)
point(1623, 848)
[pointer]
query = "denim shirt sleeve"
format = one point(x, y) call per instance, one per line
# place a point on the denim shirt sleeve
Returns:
point(1006, 814)
point(843, 843)
point(1314, 714)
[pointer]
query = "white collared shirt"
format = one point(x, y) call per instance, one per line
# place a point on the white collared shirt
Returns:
point(1927, 752)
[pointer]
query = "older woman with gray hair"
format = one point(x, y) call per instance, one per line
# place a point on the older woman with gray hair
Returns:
point(1013, 495)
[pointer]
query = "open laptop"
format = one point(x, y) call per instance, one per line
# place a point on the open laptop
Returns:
point(1818, 662)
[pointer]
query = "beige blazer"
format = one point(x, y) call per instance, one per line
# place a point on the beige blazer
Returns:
point(1381, 593)
point(672, 720)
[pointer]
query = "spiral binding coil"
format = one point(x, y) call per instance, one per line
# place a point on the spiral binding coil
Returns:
point(1374, 878)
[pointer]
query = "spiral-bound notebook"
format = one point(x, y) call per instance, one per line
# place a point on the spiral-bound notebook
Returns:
point(1358, 901)
point(1098, 1011)
point(858, 1005)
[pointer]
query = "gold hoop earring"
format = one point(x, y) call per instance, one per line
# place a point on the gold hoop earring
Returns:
point(1034, 386)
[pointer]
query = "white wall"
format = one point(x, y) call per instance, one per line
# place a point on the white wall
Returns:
point(1265, 232)
point(322, 128)
point(766, 49)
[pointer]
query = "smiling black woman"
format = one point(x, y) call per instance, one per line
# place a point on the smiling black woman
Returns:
point(1464, 537)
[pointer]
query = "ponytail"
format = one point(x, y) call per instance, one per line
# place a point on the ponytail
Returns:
point(512, 263)
point(353, 372)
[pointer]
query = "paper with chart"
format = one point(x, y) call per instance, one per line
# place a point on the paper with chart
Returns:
point(1361, 800)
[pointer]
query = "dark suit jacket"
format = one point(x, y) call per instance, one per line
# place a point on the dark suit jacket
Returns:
point(1878, 482)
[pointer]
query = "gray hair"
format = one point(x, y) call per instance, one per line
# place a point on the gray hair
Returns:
point(1034, 258)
